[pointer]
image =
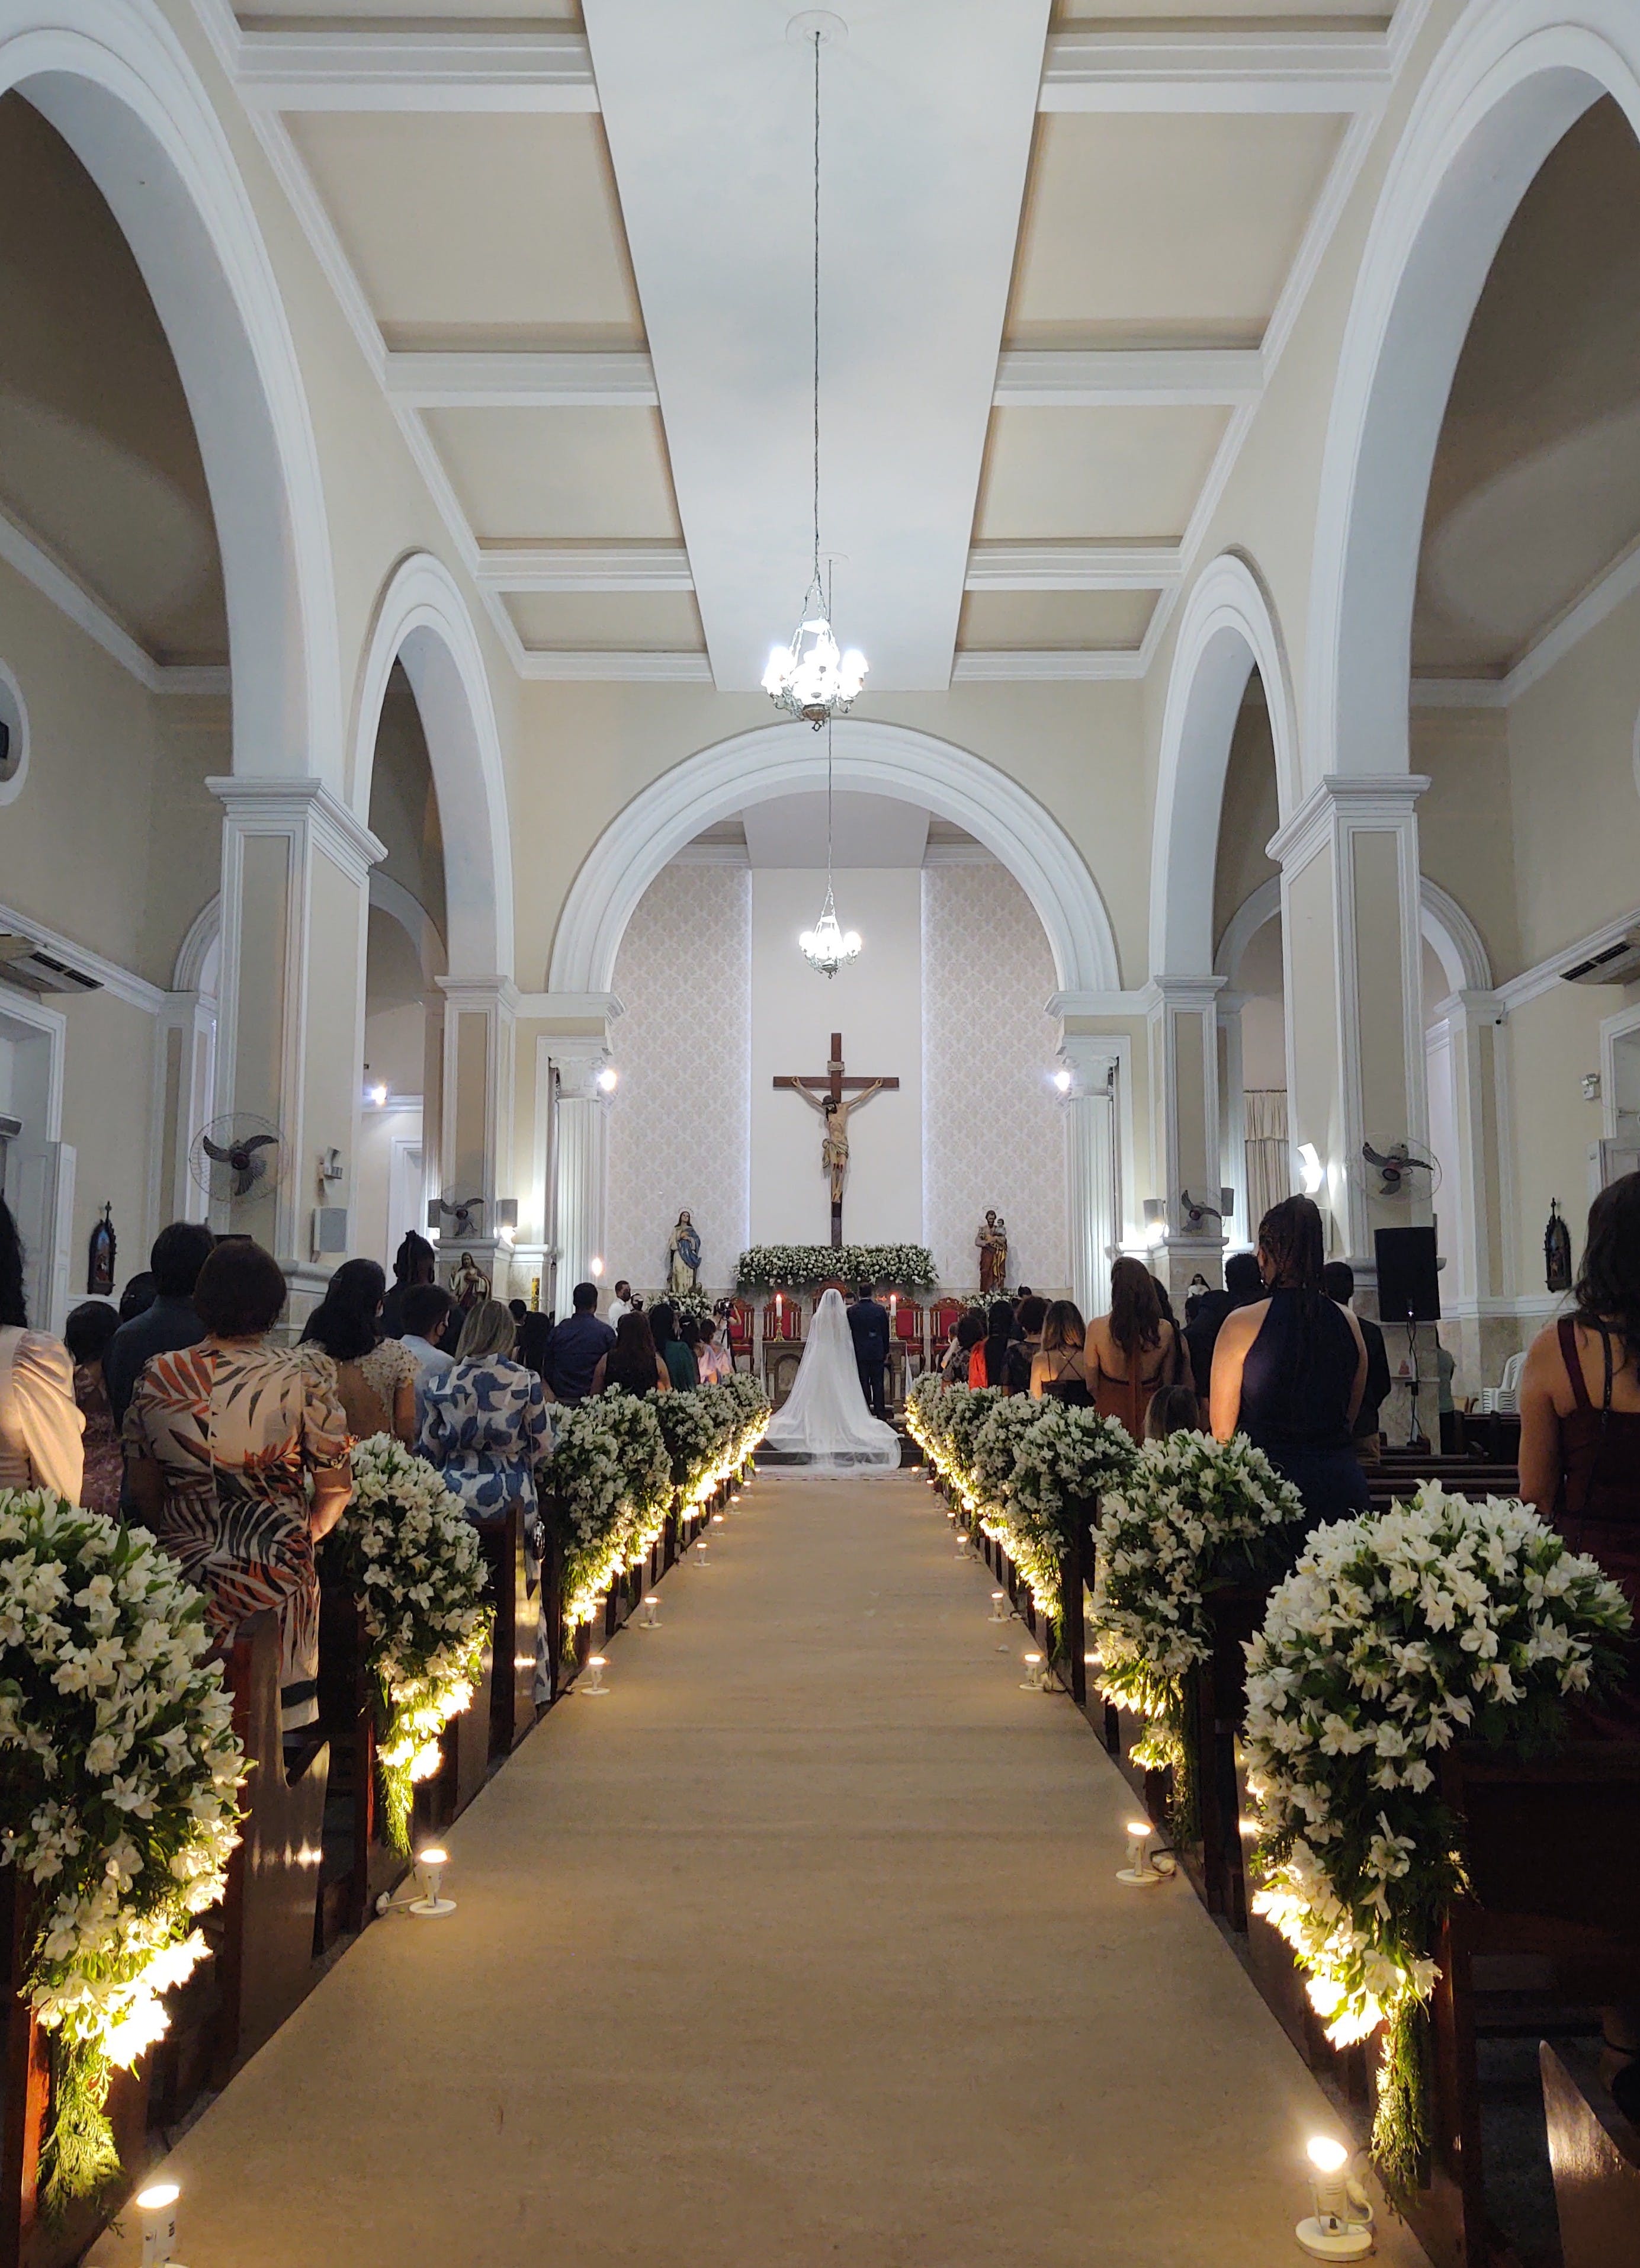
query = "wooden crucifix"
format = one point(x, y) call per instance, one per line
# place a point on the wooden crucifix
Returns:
point(833, 1096)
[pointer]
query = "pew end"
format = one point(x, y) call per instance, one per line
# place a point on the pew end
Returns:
point(1594, 2153)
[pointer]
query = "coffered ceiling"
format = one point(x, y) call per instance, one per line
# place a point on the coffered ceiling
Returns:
point(1065, 245)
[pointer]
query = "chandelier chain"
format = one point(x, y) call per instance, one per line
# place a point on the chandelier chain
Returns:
point(817, 306)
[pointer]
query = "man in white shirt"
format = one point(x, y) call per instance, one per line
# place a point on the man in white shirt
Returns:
point(427, 1314)
point(621, 1303)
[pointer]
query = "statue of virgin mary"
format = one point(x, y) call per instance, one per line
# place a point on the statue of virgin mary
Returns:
point(683, 1257)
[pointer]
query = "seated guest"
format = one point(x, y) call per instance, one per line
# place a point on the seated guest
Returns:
point(1290, 1371)
point(670, 1346)
point(1338, 1281)
point(427, 1313)
point(517, 1309)
point(534, 1340)
point(1133, 1350)
point(169, 1320)
point(988, 1361)
point(1172, 1410)
point(41, 1430)
point(224, 1441)
point(710, 1359)
point(413, 1264)
point(632, 1365)
point(969, 1331)
point(86, 1333)
point(375, 1377)
point(484, 1421)
point(1059, 1367)
point(1242, 1284)
point(138, 1295)
point(1030, 1313)
point(577, 1343)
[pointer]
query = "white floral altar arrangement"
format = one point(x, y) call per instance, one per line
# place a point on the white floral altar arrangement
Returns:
point(801, 1267)
point(120, 1773)
point(408, 1549)
point(1438, 1621)
point(1189, 1505)
point(1065, 1458)
point(609, 1477)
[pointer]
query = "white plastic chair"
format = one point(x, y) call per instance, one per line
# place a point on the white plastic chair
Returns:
point(1512, 1369)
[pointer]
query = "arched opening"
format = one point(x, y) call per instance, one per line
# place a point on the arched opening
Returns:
point(1246, 909)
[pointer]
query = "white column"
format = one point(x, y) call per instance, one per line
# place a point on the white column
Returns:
point(1093, 1164)
point(581, 1150)
point(1233, 1117)
point(185, 1041)
point(475, 1119)
point(289, 1033)
point(1184, 1060)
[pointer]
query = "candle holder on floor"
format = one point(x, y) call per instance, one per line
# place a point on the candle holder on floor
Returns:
point(595, 1687)
point(1138, 1872)
point(1033, 1681)
point(651, 1613)
point(1341, 2227)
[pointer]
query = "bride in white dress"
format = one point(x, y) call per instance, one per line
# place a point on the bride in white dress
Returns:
point(824, 1426)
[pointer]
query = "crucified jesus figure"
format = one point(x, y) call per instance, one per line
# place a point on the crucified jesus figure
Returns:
point(834, 1111)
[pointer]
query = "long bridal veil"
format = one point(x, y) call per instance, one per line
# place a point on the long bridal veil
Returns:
point(824, 1426)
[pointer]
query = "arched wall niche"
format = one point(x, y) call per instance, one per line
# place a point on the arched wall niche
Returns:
point(1228, 630)
point(422, 622)
point(115, 82)
point(1512, 79)
point(881, 760)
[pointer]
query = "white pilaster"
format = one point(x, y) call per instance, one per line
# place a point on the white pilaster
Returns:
point(475, 1120)
point(1092, 1162)
point(1184, 1070)
point(1233, 1118)
point(184, 1042)
point(581, 1153)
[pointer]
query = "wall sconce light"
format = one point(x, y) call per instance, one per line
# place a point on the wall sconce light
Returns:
point(1062, 1081)
point(1340, 2227)
point(596, 1266)
point(1312, 1172)
point(608, 1079)
point(156, 2215)
point(1155, 1220)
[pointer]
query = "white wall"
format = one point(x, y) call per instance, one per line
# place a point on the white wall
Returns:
point(877, 1006)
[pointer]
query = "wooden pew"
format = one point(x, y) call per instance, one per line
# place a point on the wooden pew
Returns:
point(265, 1963)
point(512, 1678)
point(1594, 2153)
point(1216, 1699)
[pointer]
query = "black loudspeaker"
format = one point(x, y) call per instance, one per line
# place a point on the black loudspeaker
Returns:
point(1408, 1286)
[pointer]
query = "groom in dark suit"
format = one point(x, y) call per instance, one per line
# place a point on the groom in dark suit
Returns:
point(868, 1321)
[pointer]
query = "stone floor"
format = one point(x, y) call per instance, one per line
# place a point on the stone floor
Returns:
point(803, 1944)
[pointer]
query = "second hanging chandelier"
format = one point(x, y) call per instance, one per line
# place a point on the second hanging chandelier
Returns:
point(809, 676)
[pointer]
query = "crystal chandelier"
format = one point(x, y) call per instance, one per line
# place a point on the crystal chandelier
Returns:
point(811, 676)
point(828, 946)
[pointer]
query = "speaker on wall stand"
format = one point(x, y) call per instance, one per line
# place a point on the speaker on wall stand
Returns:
point(1409, 1293)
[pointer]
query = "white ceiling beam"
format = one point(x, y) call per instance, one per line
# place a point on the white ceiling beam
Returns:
point(554, 665)
point(1128, 377)
point(1276, 71)
point(1072, 566)
point(546, 567)
point(1079, 665)
point(403, 68)
point(479, 381)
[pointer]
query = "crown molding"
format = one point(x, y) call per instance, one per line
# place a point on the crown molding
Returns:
point(573, 566)
point(550, 664)
point(1127, 378)
point(1272, 69)
point(403, 67)
point(1072, 566)
point(442, 379)
point(1081, 664)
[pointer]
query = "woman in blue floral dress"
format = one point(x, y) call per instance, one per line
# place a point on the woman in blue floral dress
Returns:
point(484, 1421)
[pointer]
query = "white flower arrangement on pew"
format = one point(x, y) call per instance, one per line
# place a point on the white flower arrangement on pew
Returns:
point(696, 1434)
point(1440, 1620)
point(407, 1548)
point(925, 1418)
point(1066, 1458)
point(120, 1773)
point(966, 1411)
point(746, 1410)
point(1193, 1512)
point(997, 1444)
point(609, 1477)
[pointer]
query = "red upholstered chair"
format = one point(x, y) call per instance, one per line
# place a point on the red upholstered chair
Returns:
point(739, 1323)
point(948, 1315)
point(910, 1322)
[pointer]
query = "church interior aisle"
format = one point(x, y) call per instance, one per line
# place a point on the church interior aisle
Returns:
point(803, 1943)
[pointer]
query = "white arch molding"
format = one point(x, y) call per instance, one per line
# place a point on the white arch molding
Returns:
point(112, 76)
point(1228, 630)
point(423, 621)
point(1447, 930)
point(877, 759)
point(1512, 79)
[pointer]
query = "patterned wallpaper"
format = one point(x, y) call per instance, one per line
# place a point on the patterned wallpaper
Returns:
point(993, 1128)
point(679, 1126)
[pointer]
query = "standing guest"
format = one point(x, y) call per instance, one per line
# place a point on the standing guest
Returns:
point(1030, 1314)
point(1338, 1281)
point(484, 1421)
point(632, 1365)
point(1290, 1371)
point(169, 1321)
point(517, 1309)
point(224, 1441)
point(711, 1361)
point(41, 1430)
point(375, 1377)
point(414, 1262)
point(669, 1345)
point(427, 1311)
point(969, 1331)
point(621, 1303)
point(1133, 1350)
point(86, 1334)
point(1172, 1410)
point(534, 1341)
point(868, 1328)
point(138, 1295)
point(1059, 1368)
point(987, 1364)
point(1242, 1286)
point(576, 1345)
